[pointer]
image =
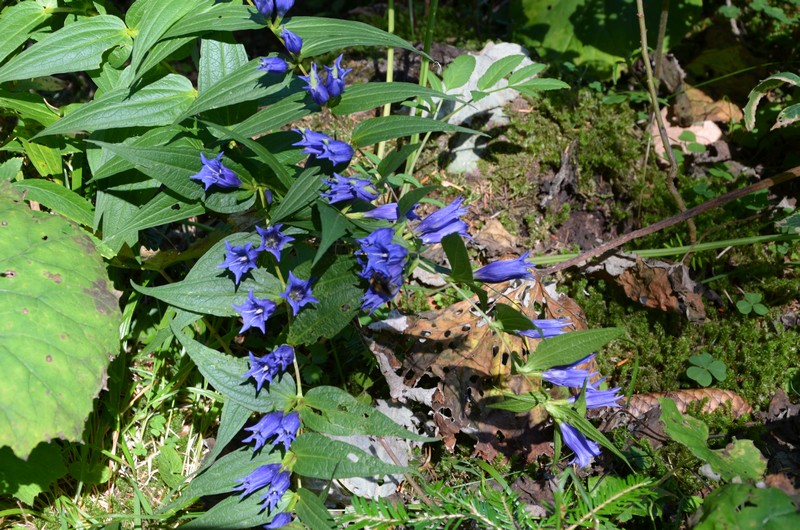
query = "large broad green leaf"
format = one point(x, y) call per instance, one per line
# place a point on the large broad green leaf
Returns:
point(746, 506)
point(25, 479)
point(58, 326)
point(303, 192)
point(151, 20)
point(375, 130)
point(321, 457)
point(76, 47)
point(311, 510)
point(323, 35)
point(761, 90)
point(741, 459)
point(208, 289)
point(28, 106)
point(225, 373)
point(294, 107)
point(331, 410)
point(339, 301)
point(18, 20)
point(159, 103)
point(568, 348)
point(57, 198)
point(367, 96)
point(218, 60)
point(595, 34)
point(219, 16)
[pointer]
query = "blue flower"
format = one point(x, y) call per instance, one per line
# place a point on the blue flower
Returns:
point(293, 42)
point(273, 240)
point(383, 267)
point(323, 146)
point(213, 173)
point(282, 6)
point(443, 222)
point(544, 328)
point(386, 212)
point(502, 271)
point(262, 369)
point(298, 293)
point(255, 312)
point(279, 521)
point(259, 478)
point(284, 428)
point(600, 398)
point(583, 448)
point(283, 356)
point(277, 487)
point(315, 86)
point(239, 260)
point(349, 188)
point(334, 83)
point(274, 64)
point(573, 378)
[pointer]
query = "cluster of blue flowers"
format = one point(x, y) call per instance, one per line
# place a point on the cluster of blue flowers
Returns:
point(331, 87)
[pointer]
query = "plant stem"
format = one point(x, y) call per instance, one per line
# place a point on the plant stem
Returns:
point(675, 219)
point(387, 108)
point(651, 87)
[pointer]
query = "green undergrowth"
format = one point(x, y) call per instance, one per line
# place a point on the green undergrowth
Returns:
point(758, 352)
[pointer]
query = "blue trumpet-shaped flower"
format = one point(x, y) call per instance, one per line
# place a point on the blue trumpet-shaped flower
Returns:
point(334, 83)
point(385, 212)
point(273, 240)
point(270, 7)
point(292, 41)
point(349, 188)
point(315, 86)
point(264, 369)
point(277, 487)
point(273, 65)
point(443, 222)
point(239, 260)
point(255, 312)
point(279, 521)
point(214, 173)
point(323, 146)
point(544, 328)
point(298, 293)
point(283, 427)
point(584, 448)
point(259, 478)
point(502, 271)
point(600, 398)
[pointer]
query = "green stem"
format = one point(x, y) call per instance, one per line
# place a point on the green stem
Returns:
point(387, 108)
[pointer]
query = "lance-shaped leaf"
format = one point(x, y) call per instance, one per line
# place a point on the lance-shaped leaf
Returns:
point(18, 20)
point(321, 457)
point(367, 96)
point(159, 103)
point(375, 130)
point(76, 47)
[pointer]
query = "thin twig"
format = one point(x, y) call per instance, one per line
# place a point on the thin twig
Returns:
point(651, 87)
point(675, 219)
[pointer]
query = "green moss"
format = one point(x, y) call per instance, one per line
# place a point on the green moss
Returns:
point(758, 353)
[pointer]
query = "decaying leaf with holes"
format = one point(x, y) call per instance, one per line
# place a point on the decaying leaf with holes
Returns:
point(457, 354)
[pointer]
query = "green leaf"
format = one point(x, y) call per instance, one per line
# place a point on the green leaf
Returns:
point(410, 199)
point(312, 512)
point(456, 251)
point(395, 159)
point(760, 309)
point(573, 417)
point(303, 192)
point(225, 372)
point(159, 103)
point(541, 84)
point(742, 506)
point(19, 20)
point(290, 109)
point(229, 470)
point(338, 413)
point(788, 116)
point(526, 72)
point(59, 328)
point(516, 402)
point(246, 83)
point(151, 21)
point(744, 307)
point(703, 359)
point(498, 70)
point(701, 375)
point(761, 90)
point(28, 106)
point(563, 350)
point(339, 301)
point(170, 466)
point(323, 458)
point(216, 17)
point(57, 198)
point(323, 35)
point(234, 417)
point(45, 159)
point(458, 72)
point(210, 290)
point(11, 169)
point(375, 130)
point(741, 460)
point(333, 225)
point(76, 47)
point(511, 318)
point(218, 60)
point(718, 370)
point(25, 479)
point(367, 96)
